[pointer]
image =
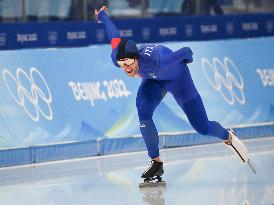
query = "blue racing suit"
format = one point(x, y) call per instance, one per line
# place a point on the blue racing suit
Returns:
point(162, 71)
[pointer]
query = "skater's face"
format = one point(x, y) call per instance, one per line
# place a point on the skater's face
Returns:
point(129, 65)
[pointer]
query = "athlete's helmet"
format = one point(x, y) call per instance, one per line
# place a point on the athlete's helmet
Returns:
point(127, 49)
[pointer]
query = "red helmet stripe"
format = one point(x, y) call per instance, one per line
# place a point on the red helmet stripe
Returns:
point(115, 42)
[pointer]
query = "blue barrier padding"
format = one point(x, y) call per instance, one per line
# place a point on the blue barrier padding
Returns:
point(118, 145)
point(161, 29)
point(104, 146)
point(125, 144)
point(255, 132)
point(11, 157)
point(36, 154)
point(63, 151)
point(196, 138)
point(188, 140)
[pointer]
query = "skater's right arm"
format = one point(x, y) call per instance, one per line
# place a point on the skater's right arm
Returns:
point(182, 55)
point(112, 32)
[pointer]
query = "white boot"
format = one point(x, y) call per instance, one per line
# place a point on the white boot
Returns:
point(237, 147)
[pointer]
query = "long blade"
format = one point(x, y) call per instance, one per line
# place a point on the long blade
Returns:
point(251, 166)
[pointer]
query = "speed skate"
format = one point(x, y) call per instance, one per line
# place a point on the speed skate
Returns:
point(153, 175)
point(151, 182)
point(239, 149)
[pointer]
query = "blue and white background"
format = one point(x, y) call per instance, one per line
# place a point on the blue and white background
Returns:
point(50, 96)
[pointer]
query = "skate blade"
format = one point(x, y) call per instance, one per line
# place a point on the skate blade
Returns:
point(251, 166)
point(152, 184)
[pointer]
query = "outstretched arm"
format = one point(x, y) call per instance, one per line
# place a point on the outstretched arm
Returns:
point(112, 31)
point(182, 55)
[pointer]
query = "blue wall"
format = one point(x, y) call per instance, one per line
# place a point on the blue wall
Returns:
point(56, 102)
point(71, 34)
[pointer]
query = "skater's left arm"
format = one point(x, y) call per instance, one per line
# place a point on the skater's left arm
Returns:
point(182, 55)
point(112, 32)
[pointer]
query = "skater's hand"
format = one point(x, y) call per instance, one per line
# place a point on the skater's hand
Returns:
point(103, 8)
point(188, 55)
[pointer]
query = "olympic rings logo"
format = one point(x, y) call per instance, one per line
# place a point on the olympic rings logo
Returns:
point(225, 78)
point(31, 95)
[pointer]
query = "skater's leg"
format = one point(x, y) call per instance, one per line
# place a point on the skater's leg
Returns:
point(196, 114)
point(188, 98)
point(149, 96)
point(190, 101)
point(151, 138)
point(197, 117)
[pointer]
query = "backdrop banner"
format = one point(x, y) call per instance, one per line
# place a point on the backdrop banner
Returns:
point(161, 29)
point(50, 96)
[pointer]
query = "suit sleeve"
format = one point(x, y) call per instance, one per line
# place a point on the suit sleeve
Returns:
point(112, 33)
point(182, 55)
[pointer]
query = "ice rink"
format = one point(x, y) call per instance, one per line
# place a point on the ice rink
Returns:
point(205, 174)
